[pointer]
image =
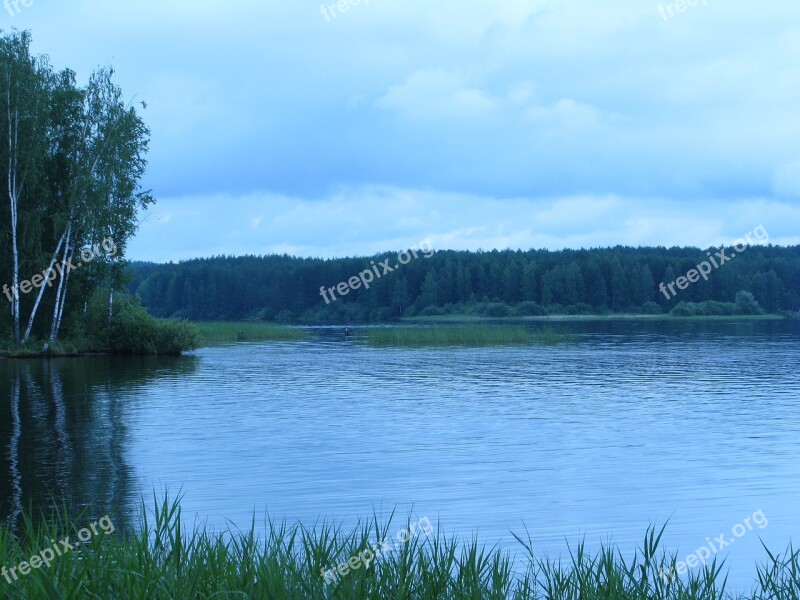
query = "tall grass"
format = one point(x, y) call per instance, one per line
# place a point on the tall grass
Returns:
point(163, 560)
point(222, 332)
point(473, 335)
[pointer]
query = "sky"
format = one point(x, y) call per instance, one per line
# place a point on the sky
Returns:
point(350, 128)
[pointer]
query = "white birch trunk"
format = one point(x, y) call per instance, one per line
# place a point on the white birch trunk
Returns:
point(13, 198)
point(61, 304)
point(41, 290)
point(61, 284)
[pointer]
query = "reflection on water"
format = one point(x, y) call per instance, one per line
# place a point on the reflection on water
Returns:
point(635, 423)
point(64, 433)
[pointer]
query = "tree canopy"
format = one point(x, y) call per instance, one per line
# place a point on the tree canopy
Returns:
point(71, 160)
point(495, 283)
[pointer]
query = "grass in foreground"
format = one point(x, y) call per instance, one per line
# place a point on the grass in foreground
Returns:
point(223, 332)
point(473, 335)
point(162, 560)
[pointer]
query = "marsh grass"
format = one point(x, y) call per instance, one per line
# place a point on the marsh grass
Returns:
point(471, 335)
point(224, 332)
point(163, 560)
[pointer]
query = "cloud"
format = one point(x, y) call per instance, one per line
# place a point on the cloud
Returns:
point(436, 94)
point(542, 100)
point(366, 220)
point(787, 181)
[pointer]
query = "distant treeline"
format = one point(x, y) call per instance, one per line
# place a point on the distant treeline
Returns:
point(619, 279)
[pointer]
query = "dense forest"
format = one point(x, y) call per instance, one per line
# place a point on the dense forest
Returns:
point(495, 283)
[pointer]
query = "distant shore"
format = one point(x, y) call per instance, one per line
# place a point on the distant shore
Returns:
point(609, 317)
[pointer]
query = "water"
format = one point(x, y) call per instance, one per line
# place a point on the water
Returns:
point(634, 424)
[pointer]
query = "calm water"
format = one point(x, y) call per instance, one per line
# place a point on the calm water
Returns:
point(633, 424)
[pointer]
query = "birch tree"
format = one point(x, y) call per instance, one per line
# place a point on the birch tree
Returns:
point(71, 161)
point(23, 126)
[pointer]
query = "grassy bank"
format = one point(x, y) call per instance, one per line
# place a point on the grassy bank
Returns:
point(470, 335)
point(33, 349)
point(225, 332)
point(164, 561)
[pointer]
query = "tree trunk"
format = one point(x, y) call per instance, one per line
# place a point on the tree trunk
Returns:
point(41, 290)
point(13, 198)
point(60, 292)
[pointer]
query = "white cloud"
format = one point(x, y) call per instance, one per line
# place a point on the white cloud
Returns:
point(366, 220)
point(437, 94)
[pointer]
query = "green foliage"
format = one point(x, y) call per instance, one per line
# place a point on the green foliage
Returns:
point(75, 155)
point(619, 279)
point(133, 330)
point(651, 308)
point(529, 309)
point(496, 310)
point(162, 560)
point(745, 305)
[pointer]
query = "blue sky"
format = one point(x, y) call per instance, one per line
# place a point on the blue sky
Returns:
point(472, 123)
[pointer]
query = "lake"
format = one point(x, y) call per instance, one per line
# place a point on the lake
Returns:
point(633, 423)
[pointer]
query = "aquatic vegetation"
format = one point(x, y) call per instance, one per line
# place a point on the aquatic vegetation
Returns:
point(222, 332)
point(162, 559)
point(468, 335)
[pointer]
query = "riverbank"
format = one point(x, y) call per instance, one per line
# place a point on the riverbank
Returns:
point(408, 559)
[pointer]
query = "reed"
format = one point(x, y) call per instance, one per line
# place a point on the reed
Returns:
point(224, 332)
point(161, 559)
point(469, 335)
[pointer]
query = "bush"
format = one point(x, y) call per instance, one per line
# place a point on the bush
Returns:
point(747, 303)
point(683, 309)
point(496, 310)
point(651, 308)
point(133, 330)
point(529, 309)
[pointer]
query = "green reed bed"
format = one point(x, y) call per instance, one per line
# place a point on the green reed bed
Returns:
point(163, 560)
point(470, 335)
point(223, 332)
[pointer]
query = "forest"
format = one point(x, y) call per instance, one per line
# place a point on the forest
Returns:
point(493, 283)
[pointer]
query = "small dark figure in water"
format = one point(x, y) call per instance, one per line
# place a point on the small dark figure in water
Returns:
point(347, 332)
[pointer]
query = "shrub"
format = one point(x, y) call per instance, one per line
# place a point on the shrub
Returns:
point(747, 303)
point(529, 309)
point(683, 309)
point(496, 310)
point(133, 330)
point(651, 308)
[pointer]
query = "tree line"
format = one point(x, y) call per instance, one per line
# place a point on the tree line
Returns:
point(493, 283)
